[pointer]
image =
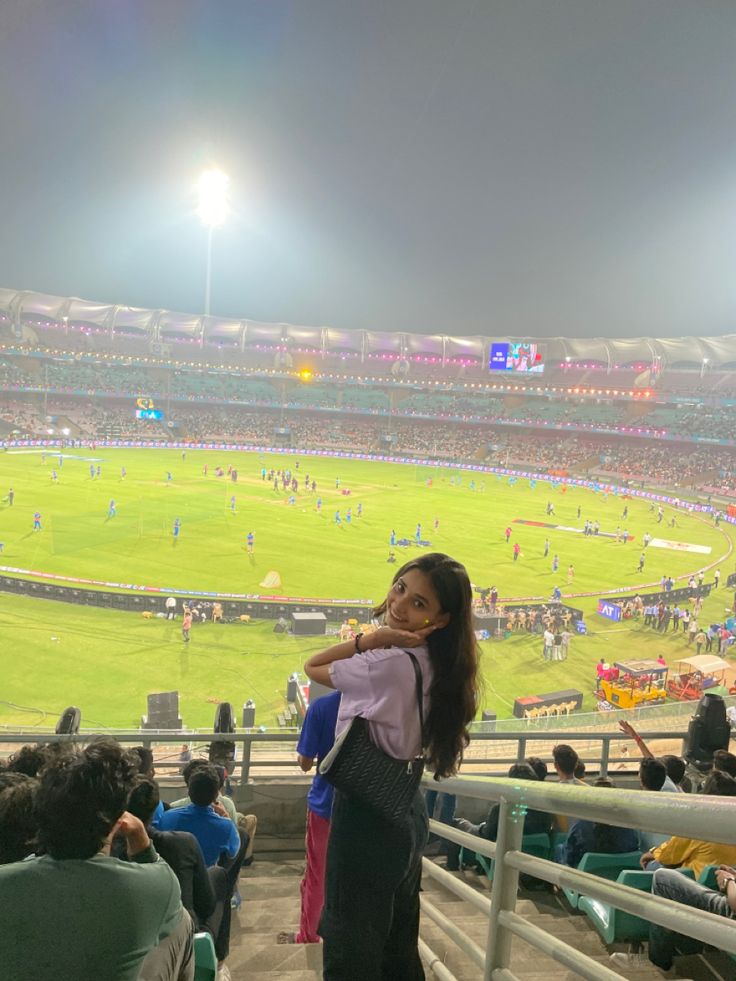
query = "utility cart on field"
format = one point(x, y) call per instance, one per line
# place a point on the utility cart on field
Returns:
point(634, 683)
point(695, 675)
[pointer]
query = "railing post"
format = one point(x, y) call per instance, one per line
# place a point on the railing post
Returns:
point(605, 754)
point(245, 761)
point(505, 886)
point(521, 749)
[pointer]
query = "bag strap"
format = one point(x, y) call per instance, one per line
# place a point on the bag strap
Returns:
point(420, 691)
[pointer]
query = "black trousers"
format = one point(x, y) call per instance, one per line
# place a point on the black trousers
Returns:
point(224, 878)
point(370, 919)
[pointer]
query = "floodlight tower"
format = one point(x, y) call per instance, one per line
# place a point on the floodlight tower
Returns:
point(212, 209)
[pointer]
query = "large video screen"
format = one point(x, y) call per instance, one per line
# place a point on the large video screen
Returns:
point(523, 356)
point(145, 409)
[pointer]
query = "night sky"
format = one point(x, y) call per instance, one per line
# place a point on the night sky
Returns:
point(525, 167)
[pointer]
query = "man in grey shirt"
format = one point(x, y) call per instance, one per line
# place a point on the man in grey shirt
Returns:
point(75, 912)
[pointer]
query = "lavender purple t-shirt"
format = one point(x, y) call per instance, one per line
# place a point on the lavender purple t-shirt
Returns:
point(380, 685)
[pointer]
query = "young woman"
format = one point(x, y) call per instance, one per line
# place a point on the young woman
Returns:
point(370, 920)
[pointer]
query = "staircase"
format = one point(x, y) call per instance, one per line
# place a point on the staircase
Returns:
point(270, 891)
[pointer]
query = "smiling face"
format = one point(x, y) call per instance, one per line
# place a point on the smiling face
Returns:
point(412, 603)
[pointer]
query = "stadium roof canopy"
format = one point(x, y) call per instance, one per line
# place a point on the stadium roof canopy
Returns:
point(24, 307)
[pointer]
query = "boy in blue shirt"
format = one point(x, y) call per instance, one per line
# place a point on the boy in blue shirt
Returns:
point(315, 742)
point(217, 835)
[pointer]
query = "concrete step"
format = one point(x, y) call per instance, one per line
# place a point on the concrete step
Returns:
point(273, 915)
point(527, 964)
point(290, 867)
point(277, 976)
point(270, 893)
point(260, 953)
point(261, 888)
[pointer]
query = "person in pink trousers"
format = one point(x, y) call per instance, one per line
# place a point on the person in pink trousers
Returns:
point(315, 742)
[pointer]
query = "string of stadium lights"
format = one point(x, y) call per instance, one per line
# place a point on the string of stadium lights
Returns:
point(308, 375)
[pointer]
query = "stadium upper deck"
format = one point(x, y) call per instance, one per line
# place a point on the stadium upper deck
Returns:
point(690, 366)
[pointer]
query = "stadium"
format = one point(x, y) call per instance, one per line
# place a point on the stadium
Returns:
point(351, 620)
point(389, 440)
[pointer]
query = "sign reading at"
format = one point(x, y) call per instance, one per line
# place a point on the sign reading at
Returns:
point(609, 610)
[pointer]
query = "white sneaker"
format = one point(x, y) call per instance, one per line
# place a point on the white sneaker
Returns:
point(223, 973)
point(632, 961)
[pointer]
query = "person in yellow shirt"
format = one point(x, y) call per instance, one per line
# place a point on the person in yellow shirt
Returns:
point(691, 853)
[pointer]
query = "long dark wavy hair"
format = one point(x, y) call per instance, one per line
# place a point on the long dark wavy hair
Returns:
point(453, 653)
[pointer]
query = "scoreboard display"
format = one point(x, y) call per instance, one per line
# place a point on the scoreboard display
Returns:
point(516, 356)
point(145, 409)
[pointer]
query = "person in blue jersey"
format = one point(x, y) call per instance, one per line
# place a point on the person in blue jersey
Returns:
point(176, 528)
point(315, 742)
point(112, 509)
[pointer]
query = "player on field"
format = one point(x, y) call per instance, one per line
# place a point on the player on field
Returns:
point(37, 521)
point(111, 510)
point(250, 541)
point(232, 504)
point(177, 526)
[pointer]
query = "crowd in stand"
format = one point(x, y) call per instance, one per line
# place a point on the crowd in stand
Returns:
point(531, 410)
point(116, 882)
point(672, 465)
point(637, 461)
point(663, 855)
point(100, 880)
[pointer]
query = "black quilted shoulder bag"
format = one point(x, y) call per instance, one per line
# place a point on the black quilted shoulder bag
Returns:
point(358, 768)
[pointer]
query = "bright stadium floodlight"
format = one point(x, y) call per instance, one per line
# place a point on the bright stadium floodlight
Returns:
point(212, 189)
point(212, 209)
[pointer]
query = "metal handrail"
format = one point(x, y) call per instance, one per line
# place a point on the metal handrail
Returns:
point(692, 815)
point(517, 745)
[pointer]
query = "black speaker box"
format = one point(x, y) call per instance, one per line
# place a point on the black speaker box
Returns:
point(708, 731)
point(69, 720)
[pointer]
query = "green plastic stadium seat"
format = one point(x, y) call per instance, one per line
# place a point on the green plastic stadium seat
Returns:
point(614, 925)
point(558, 838)
point(607, 866)
point(537, 845)
point(707, 877)
point(205, 959)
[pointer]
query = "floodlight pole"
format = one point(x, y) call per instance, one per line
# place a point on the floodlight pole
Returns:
point(208, 271)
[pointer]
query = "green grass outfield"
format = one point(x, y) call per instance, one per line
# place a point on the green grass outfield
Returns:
point(106, 662)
